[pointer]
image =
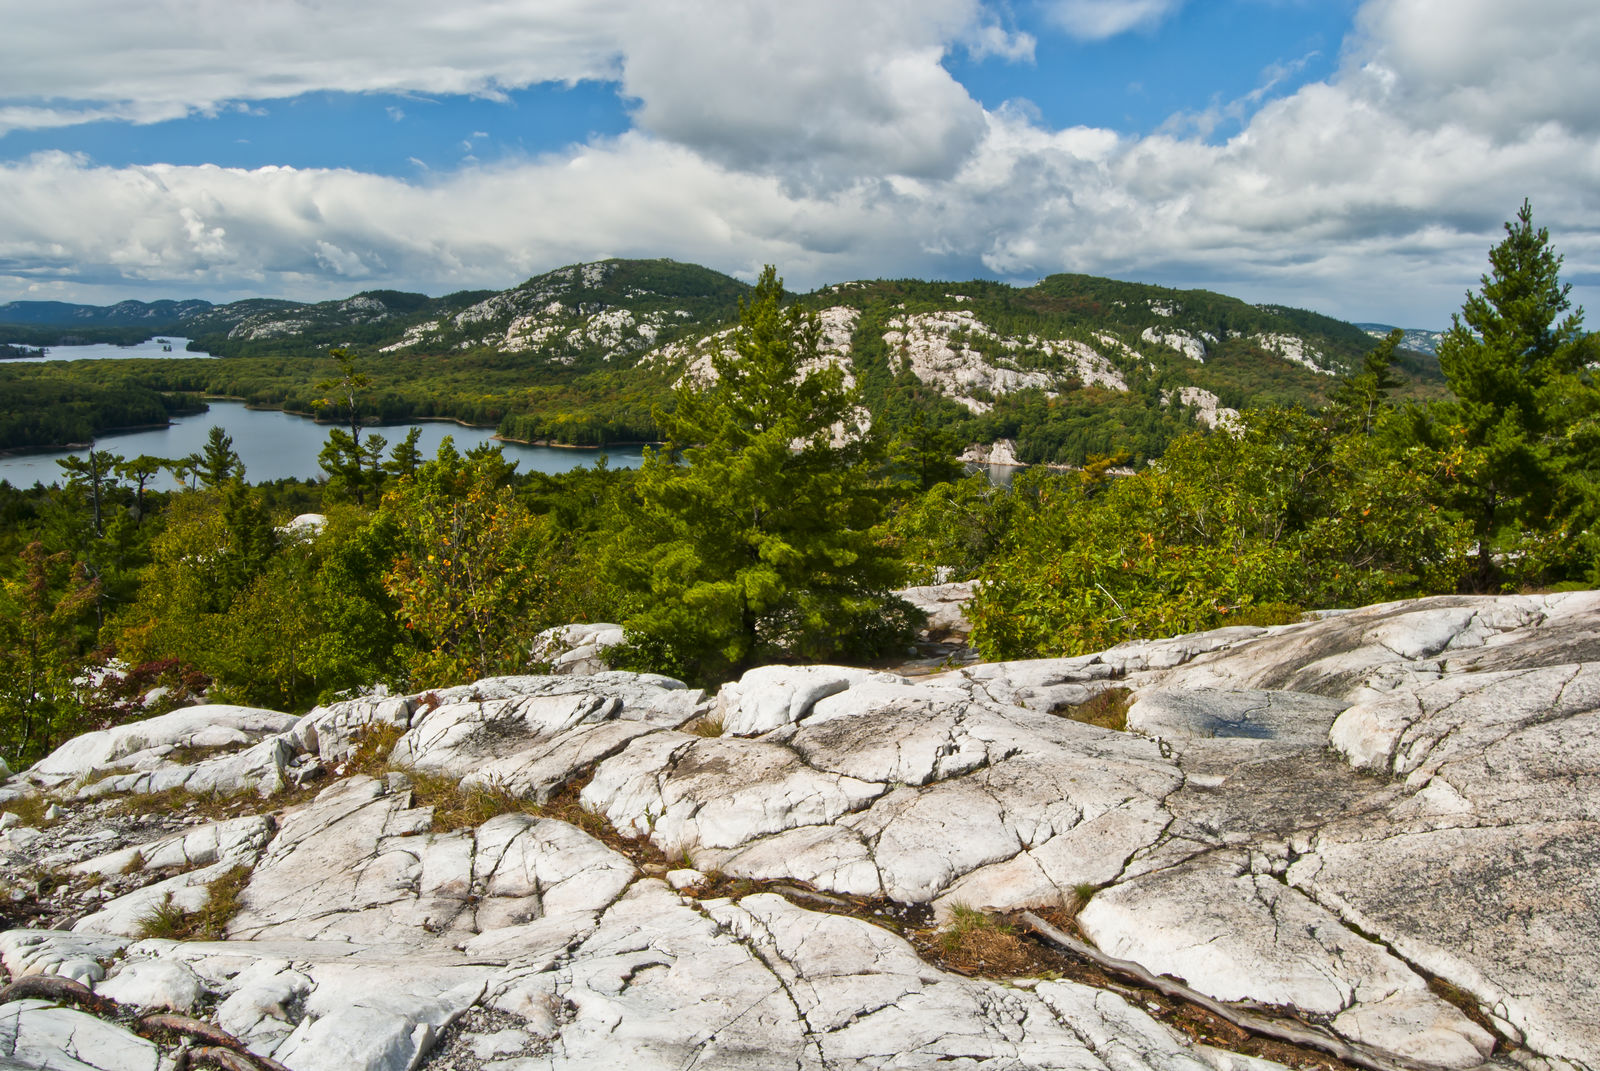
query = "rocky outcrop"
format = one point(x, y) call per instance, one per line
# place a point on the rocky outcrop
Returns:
point(1355, 817)
point(963, 358)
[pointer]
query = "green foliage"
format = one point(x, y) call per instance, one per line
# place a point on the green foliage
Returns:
point(1358, 399)
point(1279, 511)
point(1516, 361)
point(54, 404)
point(754, 536)
point(951, 531)
point(476, 577)
point(44, 611)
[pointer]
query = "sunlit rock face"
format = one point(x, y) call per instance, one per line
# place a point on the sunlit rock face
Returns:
point(1331, 816)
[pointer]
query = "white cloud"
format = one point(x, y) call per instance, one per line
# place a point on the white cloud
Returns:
point(181, 55)
point(1095, 20)
point(831, 141)
point(1483, 64)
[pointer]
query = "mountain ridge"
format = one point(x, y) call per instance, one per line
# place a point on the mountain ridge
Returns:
point(1068, 368)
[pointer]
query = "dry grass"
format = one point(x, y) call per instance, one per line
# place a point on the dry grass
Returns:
point(1108, 710)
point(374, 745)
point(707, 726)
point(30, 809)
point(976, 943)
point(457, 807)
point(209, 923)
point(180, 801)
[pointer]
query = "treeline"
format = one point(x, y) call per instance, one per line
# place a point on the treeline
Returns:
point(521, 400)
point(51, 411)
point(82, 335)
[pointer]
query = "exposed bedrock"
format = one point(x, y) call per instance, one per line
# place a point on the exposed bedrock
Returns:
point(1352, 817)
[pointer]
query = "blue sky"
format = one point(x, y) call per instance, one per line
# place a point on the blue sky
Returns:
point(1353, 157)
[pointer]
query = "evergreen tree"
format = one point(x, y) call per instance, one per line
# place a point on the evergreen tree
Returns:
point(1358, 397)
point(218, 462)
point(1507, 357)
point(405, 458)
point(93, 472)
point(754, 536)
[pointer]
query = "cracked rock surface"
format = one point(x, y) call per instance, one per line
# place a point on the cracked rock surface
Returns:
point(1352, 817)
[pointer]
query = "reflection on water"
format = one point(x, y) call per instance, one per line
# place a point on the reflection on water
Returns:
point(276, 445)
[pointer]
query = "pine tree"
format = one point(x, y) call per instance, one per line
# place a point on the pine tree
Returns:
point(1508, 354)
point(754, 538)
point(219, 462)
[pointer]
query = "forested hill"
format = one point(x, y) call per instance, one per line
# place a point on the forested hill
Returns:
point(1070, 367)
point(154, 314)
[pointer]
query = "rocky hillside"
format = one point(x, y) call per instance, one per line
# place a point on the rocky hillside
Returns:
point(1412, 338)
point(1376, 831)
point(1071, 366)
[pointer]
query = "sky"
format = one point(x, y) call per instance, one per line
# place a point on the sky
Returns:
point(1356, 157)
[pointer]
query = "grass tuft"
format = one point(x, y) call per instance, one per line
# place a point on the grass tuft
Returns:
point(374, 744)
point(983, 944)
point(30, 809)
point(457, 807)
point(210, 923)
point(165, 920)
point(707, 726)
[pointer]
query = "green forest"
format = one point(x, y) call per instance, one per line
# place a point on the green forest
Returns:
point(768, 525)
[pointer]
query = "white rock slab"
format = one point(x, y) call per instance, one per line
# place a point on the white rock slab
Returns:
point(207, 726)
point(58, 952)
point(1235, 935)
point(35, 1034)
point(772, 696)
point(684, 792)
point(154, 983)
point(237, 840)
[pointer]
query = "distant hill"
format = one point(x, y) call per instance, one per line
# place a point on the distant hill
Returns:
point(1071, 367)
point(153, 314)
point(1415, 338)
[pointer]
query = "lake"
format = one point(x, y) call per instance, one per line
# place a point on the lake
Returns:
point(276, 445)
point(104, 351)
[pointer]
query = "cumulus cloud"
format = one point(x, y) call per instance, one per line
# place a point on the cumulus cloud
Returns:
point(1483, 65)
point(836, 146)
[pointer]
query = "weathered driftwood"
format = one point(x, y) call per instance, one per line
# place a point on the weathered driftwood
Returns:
point(1276, 1029)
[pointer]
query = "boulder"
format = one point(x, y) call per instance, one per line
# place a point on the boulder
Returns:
point(945, 606)
point(772, 696)
point(144, 744)
point(576, 650)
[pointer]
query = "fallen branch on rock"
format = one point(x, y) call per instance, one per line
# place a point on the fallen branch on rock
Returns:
point(221, 1049)
point(60, 991)
point(214, 1037)
point(1276, 1029)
